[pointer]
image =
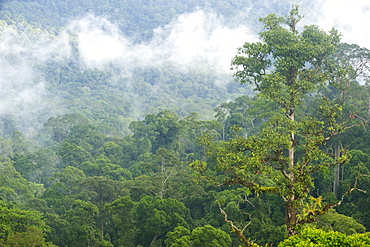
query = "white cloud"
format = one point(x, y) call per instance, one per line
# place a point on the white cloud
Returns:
point(99, 41)
point(201, 36)
point(196, 40)
point(22, 87)
point(350, 17)
point(192, 38)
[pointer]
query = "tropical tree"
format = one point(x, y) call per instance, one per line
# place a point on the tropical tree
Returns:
point(83, 230)
point(285, 66)
point(316, 237)
point(209, 236)
point(162, 129)
point(59, 127)
point(122, 230)
point(21, 227)
point(201, 236)
point(348, 92)
point(13, 187)
point(179, 237)
point(63, 191)
point(155, 217)
point(72, 155)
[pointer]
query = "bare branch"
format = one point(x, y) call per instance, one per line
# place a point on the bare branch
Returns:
point(237, 230)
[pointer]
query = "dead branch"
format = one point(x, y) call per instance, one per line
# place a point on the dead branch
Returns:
point(237, 230)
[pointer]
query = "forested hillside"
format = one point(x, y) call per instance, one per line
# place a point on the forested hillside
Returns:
point(121, 124)
point(137, 18)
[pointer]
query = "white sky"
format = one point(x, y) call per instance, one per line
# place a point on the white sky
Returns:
point(350, 17)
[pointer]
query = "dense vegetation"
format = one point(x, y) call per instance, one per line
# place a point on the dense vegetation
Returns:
point(95, 166)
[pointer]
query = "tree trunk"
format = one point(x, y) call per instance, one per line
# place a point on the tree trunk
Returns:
point(291, 217)
point(163, 180)
point(336, 173)
point(291, 211)
point(292, 139)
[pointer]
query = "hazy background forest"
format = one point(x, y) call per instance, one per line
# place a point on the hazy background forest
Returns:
point(102, 101)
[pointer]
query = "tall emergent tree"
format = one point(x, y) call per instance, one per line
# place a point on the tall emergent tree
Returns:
point(288, 64)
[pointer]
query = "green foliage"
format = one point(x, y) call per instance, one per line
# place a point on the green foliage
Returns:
point(112, 151)
point(6, 147)
point(59, 229)
point(32, 237)
point(85, 136)
point(82, 229)
point(100, 190)
point(201, 236)
point(105, 168)
point(21, 227)
point(162, 129)
point(72, 155)
point(63, 190)
point(123, 230)
point(281, 159)
point(245, 112)
point(59, 127)
point(12, 185)
point(179, 237)
point(316, 237)
point(356, 205)
point(339, 223)
point(209, 236)
point(155, 217)
point(37, 166)
point(21, 144)
point(100, 172)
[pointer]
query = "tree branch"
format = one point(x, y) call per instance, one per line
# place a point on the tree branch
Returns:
point(237, 230)
point(311, 217)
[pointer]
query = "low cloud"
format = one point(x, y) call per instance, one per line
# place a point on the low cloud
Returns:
point(194, 41)
point(191, 42)
point(22, 87)
point(198, 38)
point(203, 38)
point(99, 41)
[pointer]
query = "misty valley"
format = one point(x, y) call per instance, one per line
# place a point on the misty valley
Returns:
point(188, 123)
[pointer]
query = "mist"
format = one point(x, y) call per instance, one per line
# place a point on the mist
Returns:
point(22, 87)
point(191, 42)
